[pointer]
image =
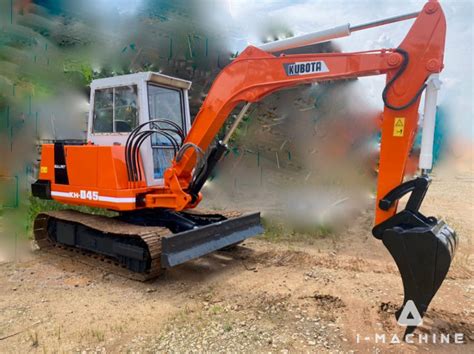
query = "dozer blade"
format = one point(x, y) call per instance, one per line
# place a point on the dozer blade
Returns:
point(423, 256)
point(422, 247)
point(184, 246)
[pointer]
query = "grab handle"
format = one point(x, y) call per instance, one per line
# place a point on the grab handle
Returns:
point(418, 188)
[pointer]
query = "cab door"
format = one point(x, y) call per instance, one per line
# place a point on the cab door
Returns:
point(165, 103)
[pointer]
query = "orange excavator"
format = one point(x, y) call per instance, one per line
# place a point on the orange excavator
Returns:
point(145, 160)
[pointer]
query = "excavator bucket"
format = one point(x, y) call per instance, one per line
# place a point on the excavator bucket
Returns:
point(423, 255)
point(422, 247)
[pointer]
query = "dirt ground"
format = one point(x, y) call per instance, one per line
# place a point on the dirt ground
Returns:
point(331, 294)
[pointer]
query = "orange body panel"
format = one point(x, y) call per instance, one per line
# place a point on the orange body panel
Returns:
point(97, 177)
point(47, 163)
point(82, 165)
point(102, 167)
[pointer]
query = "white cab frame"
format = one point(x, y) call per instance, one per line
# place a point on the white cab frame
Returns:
point(141, 80)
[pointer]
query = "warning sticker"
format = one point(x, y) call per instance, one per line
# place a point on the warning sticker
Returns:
point(398, 126)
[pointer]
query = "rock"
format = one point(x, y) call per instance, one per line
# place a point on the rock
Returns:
point(150, 290)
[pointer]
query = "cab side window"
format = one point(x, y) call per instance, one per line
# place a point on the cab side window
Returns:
point(126, 108)
point(103, 111)
point(115, 109)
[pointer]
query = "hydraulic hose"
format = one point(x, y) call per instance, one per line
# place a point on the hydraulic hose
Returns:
point(403, 67)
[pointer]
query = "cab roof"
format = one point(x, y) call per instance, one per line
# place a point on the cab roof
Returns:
point(149, 76)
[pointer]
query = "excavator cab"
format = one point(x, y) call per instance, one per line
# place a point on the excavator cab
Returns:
point(121, 104)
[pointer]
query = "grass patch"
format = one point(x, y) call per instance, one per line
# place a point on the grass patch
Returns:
point(276, 231)
point(216, 309)
point(98, 335)
point(118, 328)
point(37, 206)
point(94, 334)
point(34, 339)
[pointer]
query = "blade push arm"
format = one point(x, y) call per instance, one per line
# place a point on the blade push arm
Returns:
point(256, 73)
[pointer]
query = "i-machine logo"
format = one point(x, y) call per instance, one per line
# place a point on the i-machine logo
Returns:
point(410, 316)
point(305, 68)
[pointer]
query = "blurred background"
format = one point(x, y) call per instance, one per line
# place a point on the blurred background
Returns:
point(307, 156)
